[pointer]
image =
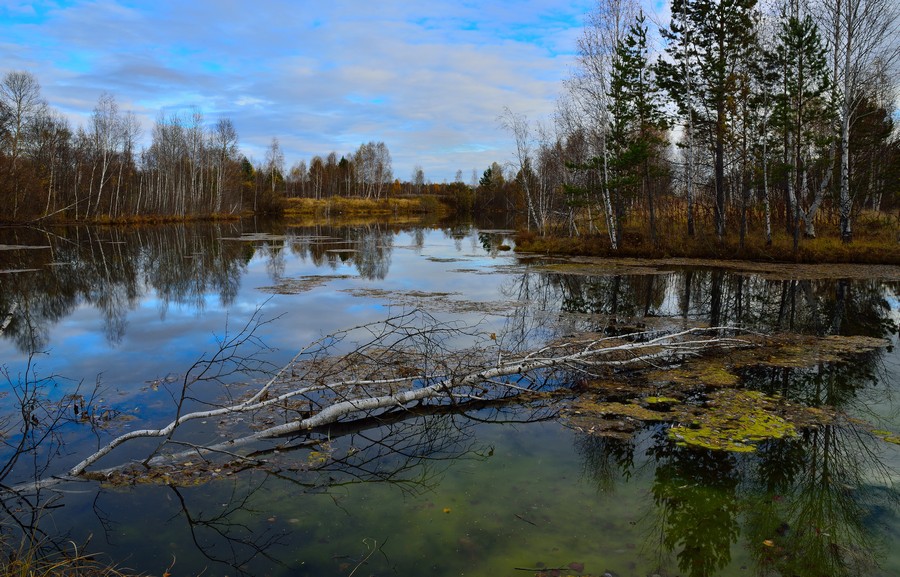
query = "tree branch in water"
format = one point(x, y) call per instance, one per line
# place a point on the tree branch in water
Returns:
point(410, 358)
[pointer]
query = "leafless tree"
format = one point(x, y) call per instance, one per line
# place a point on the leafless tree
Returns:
point(373, 169)
point(517, 124)
point(224, 141)
point(274, 163)
point(862, 37)
point(20, 103)
point(106, 136)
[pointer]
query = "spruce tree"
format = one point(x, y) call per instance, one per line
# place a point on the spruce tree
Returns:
point(637, 126)
point(804, 116)
point(708, 39)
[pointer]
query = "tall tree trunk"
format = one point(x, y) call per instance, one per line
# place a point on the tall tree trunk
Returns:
point(607, 201)
point(720, 170)
point(845, 201)
point(766, 203)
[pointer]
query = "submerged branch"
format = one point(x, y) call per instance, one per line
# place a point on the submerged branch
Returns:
point(406, 360)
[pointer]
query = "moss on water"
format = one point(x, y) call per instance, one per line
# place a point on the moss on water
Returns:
point(710, 372)
point(729, 420)
point(701, 399)
point(661, 400)
point(734, 421)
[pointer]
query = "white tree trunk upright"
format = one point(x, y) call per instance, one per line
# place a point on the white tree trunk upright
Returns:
point(864, 46)
point(517, 124)
point(20, 94)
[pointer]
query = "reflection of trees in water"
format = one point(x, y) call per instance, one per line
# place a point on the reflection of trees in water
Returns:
point(811, 499)
point(695, 493)
point(367, 247)
point(606, 459)
point(243, 523)
point(458, 233)
point(374, 246)
point(111, 270)
point(816, 491)
point(857, 307)
point(801, 505)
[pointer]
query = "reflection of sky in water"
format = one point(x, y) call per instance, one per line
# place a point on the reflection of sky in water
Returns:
point(583, 507)
point(163, 336)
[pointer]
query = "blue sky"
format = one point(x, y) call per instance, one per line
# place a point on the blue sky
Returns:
point(429, 78)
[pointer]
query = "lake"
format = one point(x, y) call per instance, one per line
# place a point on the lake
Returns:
point(109, 321)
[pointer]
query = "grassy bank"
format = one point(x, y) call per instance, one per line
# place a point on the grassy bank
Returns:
point(875, 242)
point(133, 219)
point(306, 207)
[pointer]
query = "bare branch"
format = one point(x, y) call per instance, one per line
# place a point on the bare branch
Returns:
point(406, 360)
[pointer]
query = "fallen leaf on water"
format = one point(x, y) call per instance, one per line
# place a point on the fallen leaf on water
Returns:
point(446, 509)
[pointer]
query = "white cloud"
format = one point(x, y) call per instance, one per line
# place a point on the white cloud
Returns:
point(428, 78)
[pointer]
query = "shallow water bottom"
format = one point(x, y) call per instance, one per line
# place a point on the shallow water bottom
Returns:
point(492, 499)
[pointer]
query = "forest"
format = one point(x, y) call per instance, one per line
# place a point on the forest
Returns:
point(735, 116)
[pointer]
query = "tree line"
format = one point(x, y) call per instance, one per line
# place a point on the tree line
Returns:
point(97, 171)
point(191, 167)
point(746, 114)
point(743, 115)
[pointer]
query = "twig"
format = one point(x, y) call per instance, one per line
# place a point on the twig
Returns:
point(366, 558)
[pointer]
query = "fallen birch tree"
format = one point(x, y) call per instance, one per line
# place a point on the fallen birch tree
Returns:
point(406, 360)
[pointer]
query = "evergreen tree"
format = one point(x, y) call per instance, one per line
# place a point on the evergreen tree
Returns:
point(637, 124)
point(708, 40)
point(804, 115)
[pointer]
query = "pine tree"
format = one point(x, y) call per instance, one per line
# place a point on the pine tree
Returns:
point(637, 125)
point(708, 39)
point(804, 116)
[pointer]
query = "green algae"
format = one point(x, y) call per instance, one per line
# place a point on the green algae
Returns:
point(662, 400)
point(735, 421)
point(730, 420)
point(710, 372)
point(887, 436)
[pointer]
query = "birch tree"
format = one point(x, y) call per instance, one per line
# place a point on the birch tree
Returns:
point(863, 46)
point(588, 92)
point(224, 141)
point(20, 103)
point(517, 124)
point(106, 134)
point(403, 361)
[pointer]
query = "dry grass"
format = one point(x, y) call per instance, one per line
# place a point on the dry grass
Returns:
point(295, 207)
point(876, 241)
point(27, 560)
point(138, 219)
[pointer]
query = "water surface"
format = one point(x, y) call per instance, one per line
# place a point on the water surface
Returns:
point(494, 490)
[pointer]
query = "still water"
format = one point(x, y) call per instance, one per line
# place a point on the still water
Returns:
point(118, 316)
